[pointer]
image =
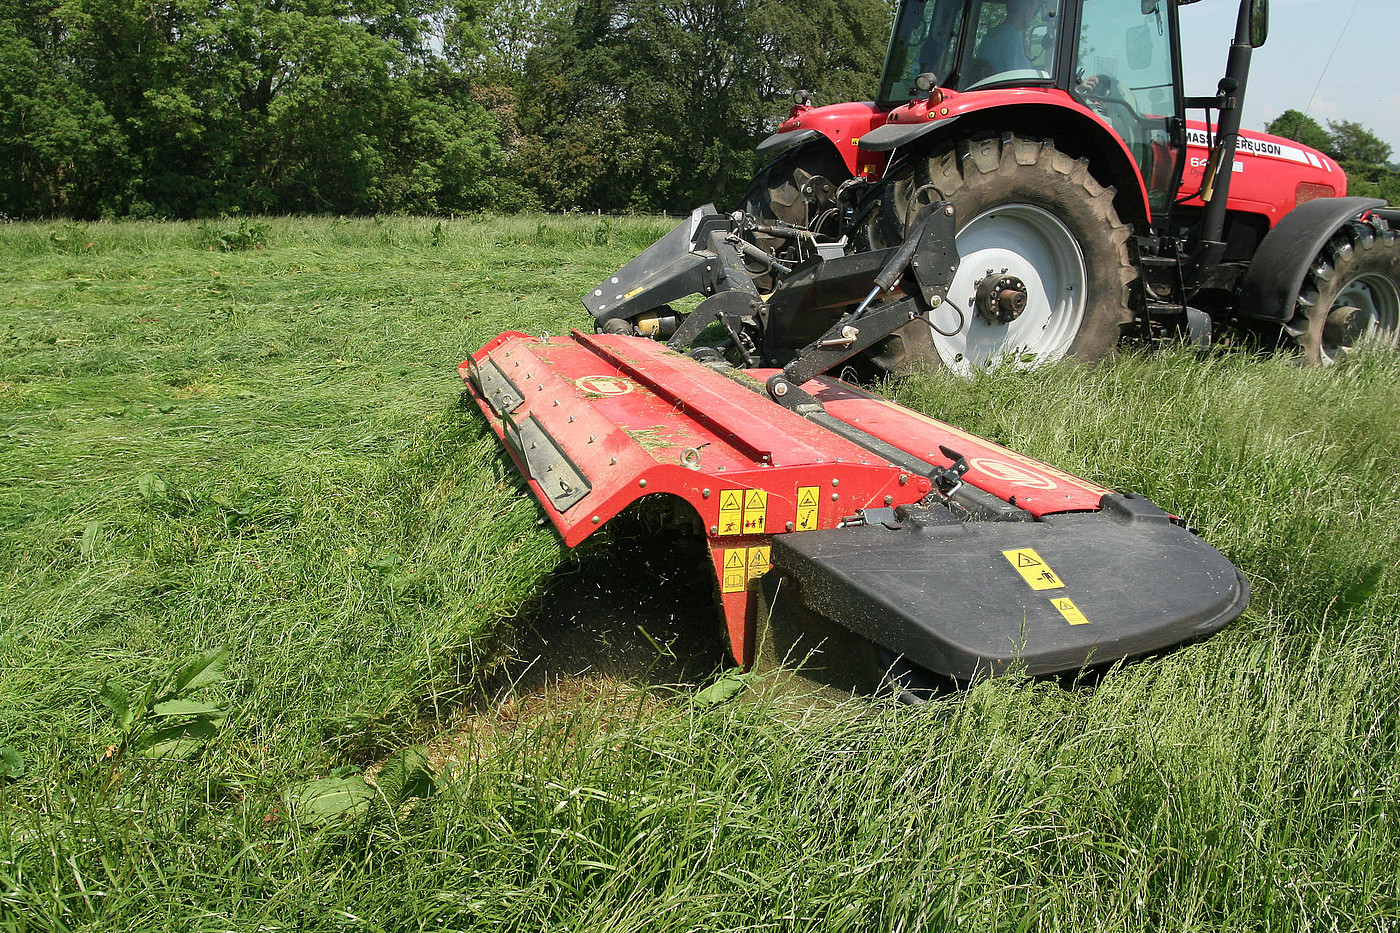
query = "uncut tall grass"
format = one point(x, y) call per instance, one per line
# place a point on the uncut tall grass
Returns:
point(265, 450)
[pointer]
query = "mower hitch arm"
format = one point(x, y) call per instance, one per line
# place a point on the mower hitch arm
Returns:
point(925, 263)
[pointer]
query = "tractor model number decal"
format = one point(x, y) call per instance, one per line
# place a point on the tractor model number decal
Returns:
point(1032, 569)
point(743, 565)
point(604, 385)
point(808, 505)
point(1069, 610)
point(1013, 473)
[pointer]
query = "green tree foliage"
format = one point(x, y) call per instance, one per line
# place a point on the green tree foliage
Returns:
point(650, 104)
point(188, 108)
point(1355, 143)
point(1298, 126)
point(1368, 180)
point(192, 108)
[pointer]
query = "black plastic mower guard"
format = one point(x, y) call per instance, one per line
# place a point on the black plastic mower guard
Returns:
point(972, 599)
point(693, 259)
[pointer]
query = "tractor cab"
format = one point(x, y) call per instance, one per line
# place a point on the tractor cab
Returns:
point(1116, 58)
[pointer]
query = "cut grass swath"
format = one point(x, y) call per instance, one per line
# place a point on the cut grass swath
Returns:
point(262, 451)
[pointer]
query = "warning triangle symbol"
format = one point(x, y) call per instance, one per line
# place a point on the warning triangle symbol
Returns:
point(1025, 560)
point(1063, 604)
point(808, 496)
point(730, 499)
point(753, 499)
point(735, 558)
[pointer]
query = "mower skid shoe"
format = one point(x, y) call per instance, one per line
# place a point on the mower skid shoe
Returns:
point(967, 600)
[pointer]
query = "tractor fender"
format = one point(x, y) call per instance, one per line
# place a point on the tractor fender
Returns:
point(779, 142)
point(1275, 275)
point(1040, 114)
point(893, 135)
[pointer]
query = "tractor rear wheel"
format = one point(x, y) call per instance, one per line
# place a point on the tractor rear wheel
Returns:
point(1045, 269)
point(1351, 294)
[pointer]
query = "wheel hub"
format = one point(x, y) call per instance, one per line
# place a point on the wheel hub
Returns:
point(1000, 298)
point(1345, 327)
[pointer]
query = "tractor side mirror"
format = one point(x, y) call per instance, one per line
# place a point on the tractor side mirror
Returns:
point(1258, 22)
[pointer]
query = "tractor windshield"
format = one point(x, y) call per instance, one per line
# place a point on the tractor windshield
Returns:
point(925, 39)
point(1009, 42)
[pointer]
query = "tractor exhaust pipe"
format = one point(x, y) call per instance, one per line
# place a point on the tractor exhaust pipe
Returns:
point(1251, 29)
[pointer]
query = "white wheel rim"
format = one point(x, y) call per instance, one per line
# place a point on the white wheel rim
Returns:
point(1036, 247)
point(1375, 296)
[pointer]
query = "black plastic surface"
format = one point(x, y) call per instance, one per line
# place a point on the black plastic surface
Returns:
point(1275, 274)
point(945, 596)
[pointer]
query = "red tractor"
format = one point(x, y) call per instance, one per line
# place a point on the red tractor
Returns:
point(1089, 208)
point(1025, 188)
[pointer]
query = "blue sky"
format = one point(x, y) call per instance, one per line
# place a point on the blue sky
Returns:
point(1360, 84)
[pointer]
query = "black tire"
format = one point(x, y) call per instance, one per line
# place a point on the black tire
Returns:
point(781, 192)
point(1025, 207)
point(1351, 292)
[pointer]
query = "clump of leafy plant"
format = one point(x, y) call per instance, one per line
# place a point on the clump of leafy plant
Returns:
point(227, 236)
point(346, 795)
point(71, 238)
point(164, 719)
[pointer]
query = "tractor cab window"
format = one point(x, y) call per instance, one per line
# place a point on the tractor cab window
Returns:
point(1012, 42)
point(1123, 72)
point(925, 39)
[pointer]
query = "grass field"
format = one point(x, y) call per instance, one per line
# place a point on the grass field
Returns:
point(252, 542)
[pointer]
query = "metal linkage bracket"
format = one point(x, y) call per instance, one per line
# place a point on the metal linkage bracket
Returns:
point(923, 265)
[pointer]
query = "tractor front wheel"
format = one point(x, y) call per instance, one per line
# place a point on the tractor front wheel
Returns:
point(1351, 294)
point(1045, 270)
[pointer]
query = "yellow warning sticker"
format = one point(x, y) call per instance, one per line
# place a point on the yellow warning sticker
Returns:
point(731, 512)
point(808, 501)
point(1069, 610)
point(755, 511)
point(736, 570)
point(759, 561)
point(1032, 569)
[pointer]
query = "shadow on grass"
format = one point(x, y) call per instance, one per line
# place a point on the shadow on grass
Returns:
point(636, 608)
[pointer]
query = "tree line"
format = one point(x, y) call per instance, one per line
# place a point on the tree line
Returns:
point(198, 108)
point(1363, 155)
point(192, 108)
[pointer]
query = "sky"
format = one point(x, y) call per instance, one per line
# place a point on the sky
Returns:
point(1359, 84)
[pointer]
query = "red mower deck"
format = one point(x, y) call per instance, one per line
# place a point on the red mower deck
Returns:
point(1025, 563)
